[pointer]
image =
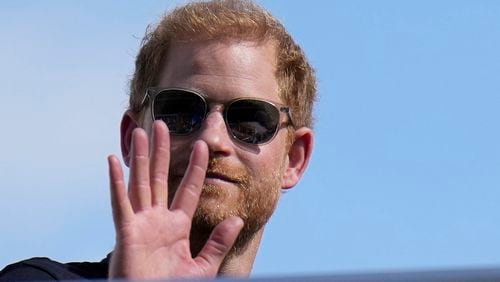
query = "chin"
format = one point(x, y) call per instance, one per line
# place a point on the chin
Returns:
point(255, 206)
point(218, 203)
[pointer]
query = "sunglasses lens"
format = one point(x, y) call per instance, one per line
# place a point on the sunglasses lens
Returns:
point(252, 121)
point(182, 111)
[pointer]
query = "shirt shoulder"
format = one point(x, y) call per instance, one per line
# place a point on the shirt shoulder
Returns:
point(45, 269)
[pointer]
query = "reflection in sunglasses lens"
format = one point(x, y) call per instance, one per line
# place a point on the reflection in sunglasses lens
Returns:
point(183, 113)
point(252, 121)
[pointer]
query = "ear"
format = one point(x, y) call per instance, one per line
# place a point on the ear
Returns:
point(298, 157)
point(128, 124)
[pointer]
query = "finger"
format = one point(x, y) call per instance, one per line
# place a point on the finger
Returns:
point(219, 244)
point(159, 164)
point(120, 204)
point(139, 189)
point(188, 193)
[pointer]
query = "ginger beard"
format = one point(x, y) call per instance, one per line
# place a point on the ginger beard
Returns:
point(253, 200)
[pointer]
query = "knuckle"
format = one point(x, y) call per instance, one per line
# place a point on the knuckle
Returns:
point(217, 248)
point(118, 182)
point(192, 189)
point(159, 177)
point(213, 254)
point(140, 186)
point(163, 150)
point(140, 157)
point(199, 170)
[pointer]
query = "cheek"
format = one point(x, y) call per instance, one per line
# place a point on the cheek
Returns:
point(181, 145)
point(178, 146)
point(146, 121)
point(269, 163)
point(180, 151)
point(275, 152)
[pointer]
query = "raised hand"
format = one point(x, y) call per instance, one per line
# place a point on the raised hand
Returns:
point(152, 240)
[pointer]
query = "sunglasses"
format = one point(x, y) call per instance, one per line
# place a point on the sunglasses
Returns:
point(248, 120)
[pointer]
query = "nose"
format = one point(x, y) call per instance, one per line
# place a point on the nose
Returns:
point(214, 132)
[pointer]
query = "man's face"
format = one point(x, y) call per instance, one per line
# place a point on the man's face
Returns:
point(242, 179)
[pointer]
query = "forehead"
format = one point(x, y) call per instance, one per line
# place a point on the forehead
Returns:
point(222, 70)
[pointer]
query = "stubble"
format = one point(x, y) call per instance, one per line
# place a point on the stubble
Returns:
point(254, 203)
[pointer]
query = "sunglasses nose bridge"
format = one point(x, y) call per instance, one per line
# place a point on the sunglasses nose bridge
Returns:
point(214, 118)
point(214, 132)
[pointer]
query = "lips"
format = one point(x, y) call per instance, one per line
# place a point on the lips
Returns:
point(220, 176)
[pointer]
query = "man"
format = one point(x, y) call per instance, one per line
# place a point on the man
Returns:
point(219, 123)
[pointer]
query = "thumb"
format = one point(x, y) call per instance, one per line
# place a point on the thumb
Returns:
point(218, 245)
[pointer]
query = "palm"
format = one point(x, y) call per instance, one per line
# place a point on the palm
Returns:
point(152, 240)
point(145, 241)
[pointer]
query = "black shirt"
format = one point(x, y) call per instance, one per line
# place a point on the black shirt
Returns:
point(44, 269)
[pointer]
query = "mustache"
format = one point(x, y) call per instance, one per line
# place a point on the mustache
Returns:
point(216, 166)
point(239, 175)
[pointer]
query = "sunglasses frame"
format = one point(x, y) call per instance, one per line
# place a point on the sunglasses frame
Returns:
point(152, 93)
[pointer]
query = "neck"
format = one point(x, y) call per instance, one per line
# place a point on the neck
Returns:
point(240, 265)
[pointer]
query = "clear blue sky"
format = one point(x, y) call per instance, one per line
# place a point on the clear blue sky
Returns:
point(406, 171)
